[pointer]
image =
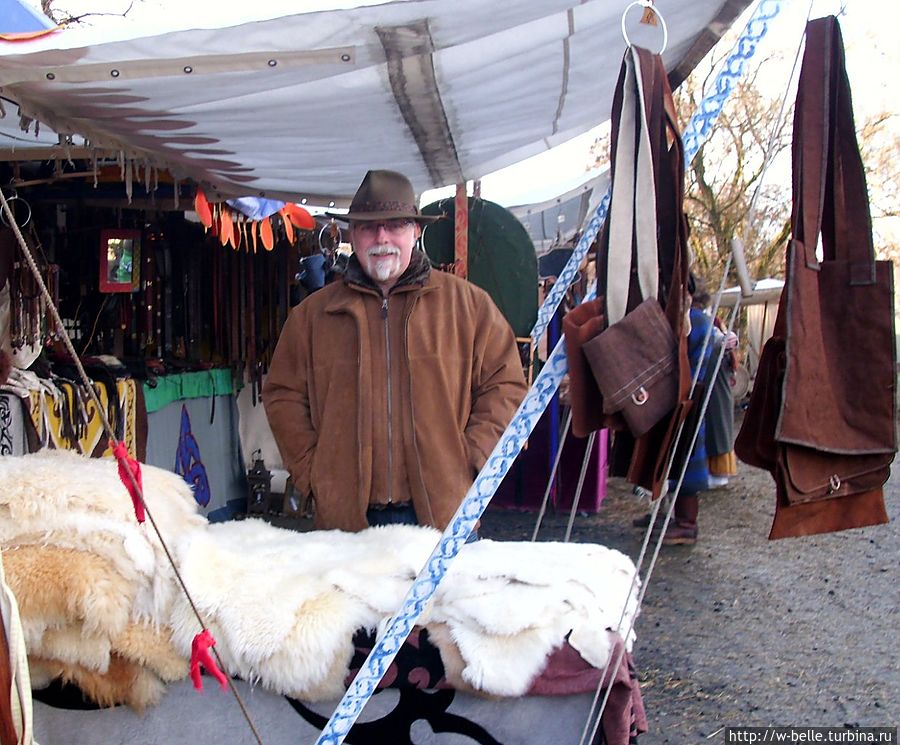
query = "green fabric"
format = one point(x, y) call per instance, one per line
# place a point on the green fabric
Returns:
point(182, 386)
point(502, 261)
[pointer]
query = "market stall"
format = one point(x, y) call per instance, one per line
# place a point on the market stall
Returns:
point(192, 315)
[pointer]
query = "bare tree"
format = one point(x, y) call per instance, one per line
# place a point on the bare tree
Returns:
point(728, 170)
point(879, 144)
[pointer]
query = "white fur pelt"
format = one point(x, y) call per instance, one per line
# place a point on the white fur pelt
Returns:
point(62, 499)
point(509, 604)
point(282, 605)
point(86, 572)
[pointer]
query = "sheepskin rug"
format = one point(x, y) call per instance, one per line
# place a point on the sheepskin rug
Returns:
point(101, 605)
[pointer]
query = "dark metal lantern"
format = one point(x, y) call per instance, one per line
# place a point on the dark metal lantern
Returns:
point(259, 481)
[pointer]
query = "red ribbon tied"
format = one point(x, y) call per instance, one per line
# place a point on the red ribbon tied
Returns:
point(122, 457)
point(200, 656)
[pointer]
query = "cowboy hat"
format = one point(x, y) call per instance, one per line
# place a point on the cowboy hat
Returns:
point(384, 195)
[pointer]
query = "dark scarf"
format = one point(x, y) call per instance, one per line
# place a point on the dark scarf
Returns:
point(416, 273)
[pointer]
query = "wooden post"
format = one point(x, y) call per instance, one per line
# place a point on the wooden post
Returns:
point(461, 233)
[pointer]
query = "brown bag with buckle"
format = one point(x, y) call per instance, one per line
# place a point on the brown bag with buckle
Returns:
point(821, 417)
point(634, 363)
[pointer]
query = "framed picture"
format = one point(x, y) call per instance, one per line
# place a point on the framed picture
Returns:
point(120, 260)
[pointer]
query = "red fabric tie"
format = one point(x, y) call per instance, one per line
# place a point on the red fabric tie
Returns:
point(200, 656)
point(121, 453)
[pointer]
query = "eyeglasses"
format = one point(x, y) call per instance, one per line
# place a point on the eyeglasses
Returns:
point(391, 226)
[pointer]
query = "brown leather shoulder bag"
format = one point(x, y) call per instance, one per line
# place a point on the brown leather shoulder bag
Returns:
point(822, 414)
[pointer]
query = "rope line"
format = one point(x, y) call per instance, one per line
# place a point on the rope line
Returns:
point(588, 451)
point(562, 442)
point(110, 433)
point(659, 543)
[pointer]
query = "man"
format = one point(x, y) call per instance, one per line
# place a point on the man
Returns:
point(389, 387)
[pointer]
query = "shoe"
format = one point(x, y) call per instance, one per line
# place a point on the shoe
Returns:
point(717, 482)
point(680, 535)
point(642, 522)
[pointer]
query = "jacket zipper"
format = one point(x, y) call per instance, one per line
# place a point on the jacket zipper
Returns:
point(390, 435)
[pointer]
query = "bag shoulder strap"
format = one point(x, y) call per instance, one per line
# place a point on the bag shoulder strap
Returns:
point(636, 256)
point(632, 214)
point(830, 196)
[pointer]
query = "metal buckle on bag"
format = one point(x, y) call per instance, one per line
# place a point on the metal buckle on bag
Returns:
point(640, 396)
point(834, 483)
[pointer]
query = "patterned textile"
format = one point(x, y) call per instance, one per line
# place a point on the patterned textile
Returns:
point(189, 462)
point(424, 694)
point(13, 437)
point(67, 419)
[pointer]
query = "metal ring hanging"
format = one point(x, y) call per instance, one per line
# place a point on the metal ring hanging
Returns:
point(333, 230)
point(9, 203)
point(647, 5)
point(422, 238)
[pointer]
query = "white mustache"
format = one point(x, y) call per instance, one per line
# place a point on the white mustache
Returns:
point(387, 250)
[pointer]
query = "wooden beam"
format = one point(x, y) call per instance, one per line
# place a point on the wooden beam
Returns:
point(461, 232)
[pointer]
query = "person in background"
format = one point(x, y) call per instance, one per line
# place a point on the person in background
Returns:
point(390, 386)
point(682, 529)
point(719, 419)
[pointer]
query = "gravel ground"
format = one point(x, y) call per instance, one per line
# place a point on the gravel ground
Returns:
point(742, 631)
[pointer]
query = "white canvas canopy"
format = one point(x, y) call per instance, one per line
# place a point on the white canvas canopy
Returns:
point(556, 222)
point(301, 106)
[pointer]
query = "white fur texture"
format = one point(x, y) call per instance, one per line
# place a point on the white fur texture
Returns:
point(282, 605)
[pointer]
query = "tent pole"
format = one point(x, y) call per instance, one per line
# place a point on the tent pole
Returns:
point(461, 221)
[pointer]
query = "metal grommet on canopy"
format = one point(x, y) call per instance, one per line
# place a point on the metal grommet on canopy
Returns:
point(9, 204)
point(646, 5)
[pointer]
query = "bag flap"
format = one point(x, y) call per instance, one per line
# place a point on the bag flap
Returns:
point(810, 471)
point(637, 351)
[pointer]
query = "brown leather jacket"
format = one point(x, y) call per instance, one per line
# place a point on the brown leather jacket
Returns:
point(446, 375)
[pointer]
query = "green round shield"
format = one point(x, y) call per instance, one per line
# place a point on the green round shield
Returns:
point(502, 260)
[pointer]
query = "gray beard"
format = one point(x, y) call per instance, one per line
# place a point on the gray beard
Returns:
point(382, 270)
